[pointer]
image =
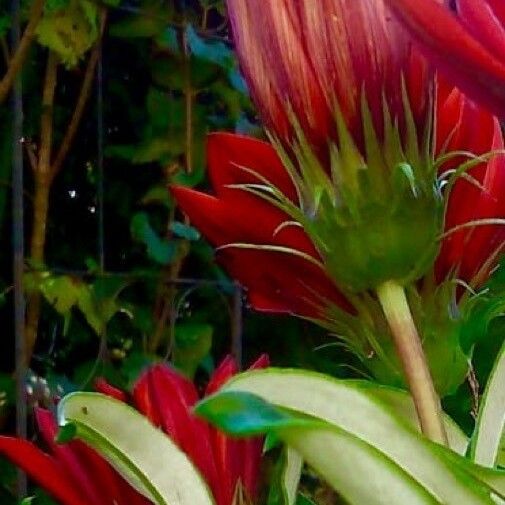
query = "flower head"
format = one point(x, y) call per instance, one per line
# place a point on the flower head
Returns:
point(309, 59)
point(348, 105)
point(76, 475)
point(274, 254)
point(466, 42)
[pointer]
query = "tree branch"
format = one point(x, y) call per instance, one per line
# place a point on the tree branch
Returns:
point(20, 54)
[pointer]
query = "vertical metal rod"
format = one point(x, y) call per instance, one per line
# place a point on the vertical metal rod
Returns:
point(18, 247)
point(100, 158)
point(236, 325)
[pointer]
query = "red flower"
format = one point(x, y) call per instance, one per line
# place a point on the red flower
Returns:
point(467, 44)
point(259, 244)
point(310, 57)
point(472, 252)
point(76, 475)
point(274, 258)
point(167, 399)
point(72, 473)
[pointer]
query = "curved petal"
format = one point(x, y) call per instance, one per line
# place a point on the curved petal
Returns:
point(167, 398)
point(461, 55)
point(269, 31)
point(481, 20)
point(228, 154)
point(321, 55)
point(282, 282)
point(102, 386)
point(472, 198)
point(241, 217)
point(43, 469)
point(223, 373)
point(237, 460)
point(72, 466)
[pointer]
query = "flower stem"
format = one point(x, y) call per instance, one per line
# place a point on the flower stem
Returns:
point(415, 367)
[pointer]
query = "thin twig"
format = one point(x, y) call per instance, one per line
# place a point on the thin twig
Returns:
point(80, 105)
point(20, 54)
point(41, 198)
point(5, 50)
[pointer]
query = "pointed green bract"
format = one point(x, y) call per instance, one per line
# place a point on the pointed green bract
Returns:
point(374, 210)
point(144, 455)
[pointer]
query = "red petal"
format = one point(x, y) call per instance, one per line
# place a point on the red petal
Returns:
point(228, 154)
point(241, 218)
point(226, 369)
point(47, 472)
point(66, 455)
point(262, 362)
point(466, 251)
point(282, 282)
point(449, 45)
point(112, 487)
point(167, 398)
point(269, 32)
point(481, 20)
point(102, 386)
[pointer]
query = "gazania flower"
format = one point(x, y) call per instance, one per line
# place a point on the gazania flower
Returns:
point(347, 102)
point(275, 258)
point(349, 107)
point(231, 467)
point(307, 59)
point(75, 475)
point(72, 473)
point(466, 42)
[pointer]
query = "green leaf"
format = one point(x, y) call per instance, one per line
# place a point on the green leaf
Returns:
point(210, 50)
point(303, 500)
point(358, 408)
point(357, 469)
point(70, 31)
point(143, 454)
point(157, 195)
point(5, 23)
point(160, 250)
point(184, 231)
point(286, 478)
point(488, 433)
point(193, 341)
point(145, 25)
point(399, 403)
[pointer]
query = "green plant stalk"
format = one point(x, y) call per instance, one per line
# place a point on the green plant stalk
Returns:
point(415, 367)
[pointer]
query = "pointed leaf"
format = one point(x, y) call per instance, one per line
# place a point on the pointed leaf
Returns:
point(146, 457)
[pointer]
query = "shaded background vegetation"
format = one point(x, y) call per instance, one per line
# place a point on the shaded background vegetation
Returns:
point(115, 277)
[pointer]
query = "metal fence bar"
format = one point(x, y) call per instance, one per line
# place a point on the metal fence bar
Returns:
point(236, 325)
point(100, 159)
point(18, 247)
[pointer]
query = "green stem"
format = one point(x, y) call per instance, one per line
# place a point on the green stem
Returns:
point(415, 367)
